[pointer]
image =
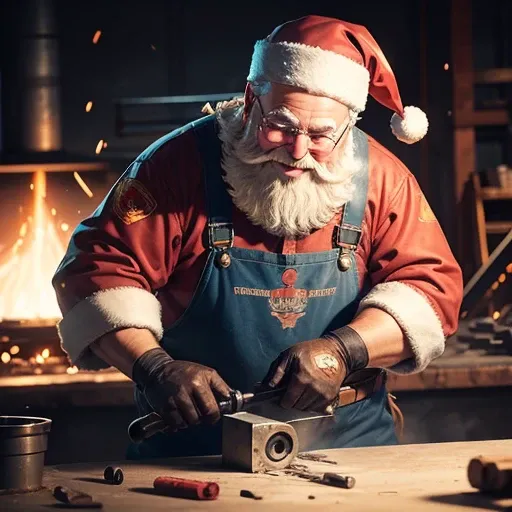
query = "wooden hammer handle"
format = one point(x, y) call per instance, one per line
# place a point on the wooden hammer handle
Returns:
point(490, 475)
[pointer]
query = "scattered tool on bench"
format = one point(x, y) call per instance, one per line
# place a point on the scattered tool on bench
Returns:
point(185, 488)
point(113, 476)
point(75, 499)
point(244, 493)
point(315, 457)
point(491, 475)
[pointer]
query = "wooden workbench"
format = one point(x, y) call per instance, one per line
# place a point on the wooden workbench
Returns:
point(392, 478)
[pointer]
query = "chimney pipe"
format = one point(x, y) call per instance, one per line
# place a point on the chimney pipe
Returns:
point(31, 91)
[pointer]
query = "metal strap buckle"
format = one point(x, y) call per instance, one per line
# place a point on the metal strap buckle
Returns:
point(341, 233)
point(221, 235)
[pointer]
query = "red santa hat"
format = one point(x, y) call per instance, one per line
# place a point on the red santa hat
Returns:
point(336, 59)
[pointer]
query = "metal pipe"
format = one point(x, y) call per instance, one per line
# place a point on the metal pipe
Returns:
point(39, 78)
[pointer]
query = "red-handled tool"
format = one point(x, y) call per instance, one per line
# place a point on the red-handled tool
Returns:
point(184, 488)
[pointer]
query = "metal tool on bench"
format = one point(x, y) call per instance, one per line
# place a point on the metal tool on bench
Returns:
point(149, 425)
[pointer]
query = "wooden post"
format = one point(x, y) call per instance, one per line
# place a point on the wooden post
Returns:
point(464, 157)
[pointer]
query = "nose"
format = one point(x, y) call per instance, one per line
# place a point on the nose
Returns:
point(299, 147)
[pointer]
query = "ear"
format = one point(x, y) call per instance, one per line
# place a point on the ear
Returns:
point(249, 99)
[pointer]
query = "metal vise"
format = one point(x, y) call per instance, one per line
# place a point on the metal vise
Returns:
point(255, 443)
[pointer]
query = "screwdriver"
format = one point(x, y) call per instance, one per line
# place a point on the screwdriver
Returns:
point(149, 425)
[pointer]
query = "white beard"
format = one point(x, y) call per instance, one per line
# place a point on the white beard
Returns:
point(292, 208)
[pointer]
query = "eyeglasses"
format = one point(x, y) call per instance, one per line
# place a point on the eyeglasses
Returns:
point(278, 132)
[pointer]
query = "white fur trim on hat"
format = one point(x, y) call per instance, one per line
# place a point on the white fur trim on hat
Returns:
point(318, 71)
point(412, 127)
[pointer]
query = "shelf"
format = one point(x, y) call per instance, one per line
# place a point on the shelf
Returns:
point(491, 117)
point(498, 227)
point(493, 76)
point(496, 193)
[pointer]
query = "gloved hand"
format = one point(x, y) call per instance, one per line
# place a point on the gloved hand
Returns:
point(182, 392)
point(312, 372)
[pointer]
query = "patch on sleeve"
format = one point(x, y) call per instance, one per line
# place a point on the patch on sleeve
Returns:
point(132, 201)
point(426, 213)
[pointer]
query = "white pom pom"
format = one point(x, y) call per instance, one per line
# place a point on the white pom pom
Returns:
point(412, 128)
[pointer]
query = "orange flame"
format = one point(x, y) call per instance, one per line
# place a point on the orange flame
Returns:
point(26, 291)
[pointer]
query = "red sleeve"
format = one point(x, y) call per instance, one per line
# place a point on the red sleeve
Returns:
point(412, 271)
point(126, 250)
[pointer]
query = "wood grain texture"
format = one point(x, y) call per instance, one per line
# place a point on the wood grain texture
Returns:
point(409, 477)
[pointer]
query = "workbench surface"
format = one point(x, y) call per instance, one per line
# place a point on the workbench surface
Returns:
point(391, 478)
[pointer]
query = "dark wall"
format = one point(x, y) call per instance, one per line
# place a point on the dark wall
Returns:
point(201, 48)
point(160, 47)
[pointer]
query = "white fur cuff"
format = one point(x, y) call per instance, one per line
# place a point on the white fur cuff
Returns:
point(416, 317)
point(104, 312)
point(313, 69)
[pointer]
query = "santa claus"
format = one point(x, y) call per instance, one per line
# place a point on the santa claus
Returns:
point(270, 242)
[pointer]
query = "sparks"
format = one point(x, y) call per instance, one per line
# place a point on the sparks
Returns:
point(96, 37)
point(99, 146)
point(64, 226)
point(88, 107)
point(82, 184)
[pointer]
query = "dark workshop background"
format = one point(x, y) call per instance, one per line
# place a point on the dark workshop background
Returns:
point(161, 48)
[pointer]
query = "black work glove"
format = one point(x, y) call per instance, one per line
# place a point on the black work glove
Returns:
point(313, 371)
point(182, 392)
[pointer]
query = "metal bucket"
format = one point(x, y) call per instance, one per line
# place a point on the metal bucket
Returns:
point(23, 442)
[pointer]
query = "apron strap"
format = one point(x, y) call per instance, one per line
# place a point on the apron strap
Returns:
point(348, 233)
point(218, 201)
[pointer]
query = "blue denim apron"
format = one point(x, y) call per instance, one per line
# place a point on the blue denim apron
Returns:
point(250, 305)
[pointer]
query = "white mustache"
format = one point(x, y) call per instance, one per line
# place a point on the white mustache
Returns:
point(321, 172)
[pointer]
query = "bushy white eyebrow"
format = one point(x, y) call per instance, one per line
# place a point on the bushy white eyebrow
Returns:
point(284, 114)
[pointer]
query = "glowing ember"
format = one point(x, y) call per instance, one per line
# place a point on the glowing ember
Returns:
point(71, 370)
point(26, 291)
point(96, 37)
point(31, 186)
point(64, 226)
point(39, 359)
point(502, 278)
point(82, 184)
point(45, 353)
point(6, 357)
point(446, 67)
point(14, 350)
point(54, 211)
point(496, 315)
point(99, 146)
point(509, 268)
point(88, 107)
